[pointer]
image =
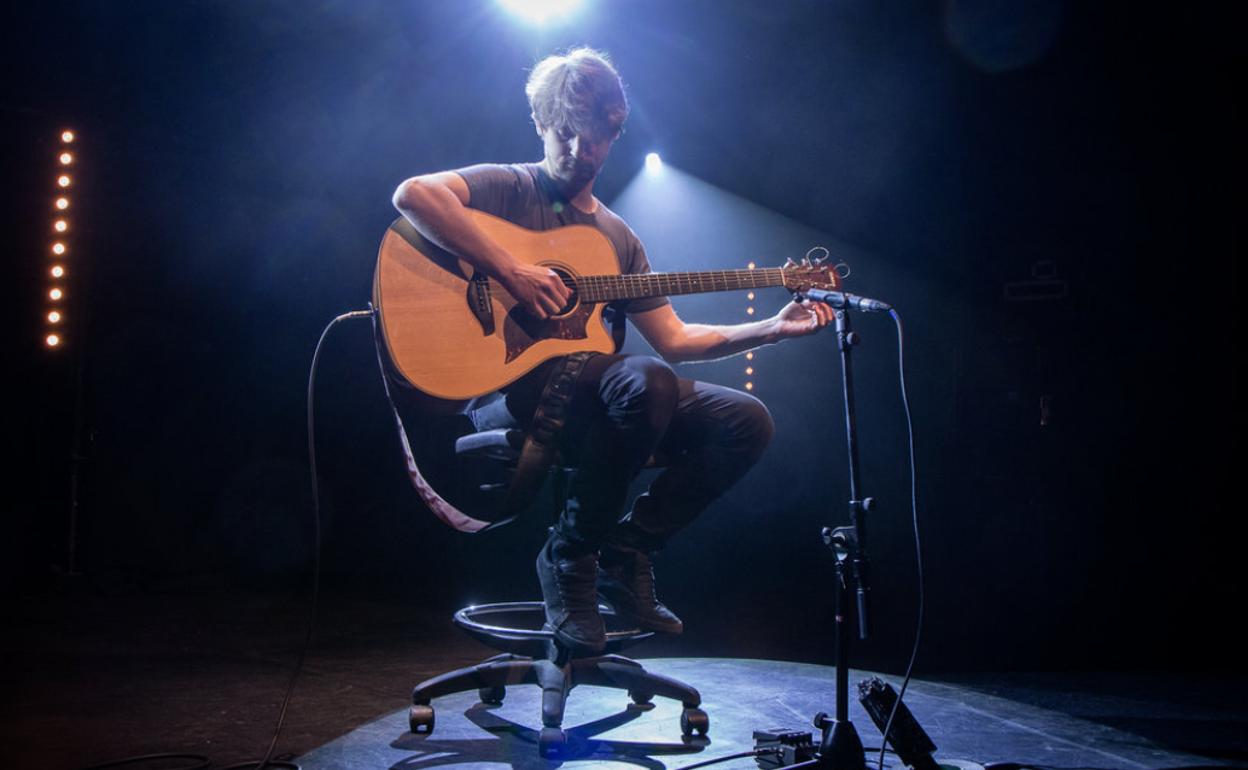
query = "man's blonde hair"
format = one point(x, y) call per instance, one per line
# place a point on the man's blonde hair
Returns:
point(578, 90)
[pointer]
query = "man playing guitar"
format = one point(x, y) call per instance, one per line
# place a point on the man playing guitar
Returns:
point(625, 407)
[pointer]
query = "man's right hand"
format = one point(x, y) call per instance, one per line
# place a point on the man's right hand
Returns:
point(538, 289)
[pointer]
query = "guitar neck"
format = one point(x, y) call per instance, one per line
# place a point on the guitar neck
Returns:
point(609, 288)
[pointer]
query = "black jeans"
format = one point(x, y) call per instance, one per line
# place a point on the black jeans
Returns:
point(626, 409)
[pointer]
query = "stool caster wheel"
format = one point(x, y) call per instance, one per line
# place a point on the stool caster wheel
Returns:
point(420, 718)
point(641, 698)
point(694, 720)
point(550, 742)
point(492, 696)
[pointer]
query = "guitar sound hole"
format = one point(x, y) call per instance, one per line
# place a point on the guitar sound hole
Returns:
point(570, 281)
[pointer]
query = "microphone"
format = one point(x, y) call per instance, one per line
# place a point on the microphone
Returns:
point(846, 301)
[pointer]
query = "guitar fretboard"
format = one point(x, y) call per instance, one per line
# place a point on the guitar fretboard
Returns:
point(608, 288)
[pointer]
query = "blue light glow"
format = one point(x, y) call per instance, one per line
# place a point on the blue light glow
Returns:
point(654, 163)
point(540, 11)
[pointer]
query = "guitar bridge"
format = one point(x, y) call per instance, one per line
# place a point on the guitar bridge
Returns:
point(479, 302)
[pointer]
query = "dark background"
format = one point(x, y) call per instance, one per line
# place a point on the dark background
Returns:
point(235, 163)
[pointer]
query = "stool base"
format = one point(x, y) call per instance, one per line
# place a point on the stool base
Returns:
point(556, 677)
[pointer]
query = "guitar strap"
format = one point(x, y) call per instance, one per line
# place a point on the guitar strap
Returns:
point(448, 514)
point(541, 443)
point(536, 456)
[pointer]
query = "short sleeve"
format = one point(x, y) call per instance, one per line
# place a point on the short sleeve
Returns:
point(497, 189)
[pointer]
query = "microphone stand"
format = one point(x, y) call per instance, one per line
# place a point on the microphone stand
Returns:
point(840, 748)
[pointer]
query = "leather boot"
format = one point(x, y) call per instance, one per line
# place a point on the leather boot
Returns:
point(567, 582)
point(626, 582)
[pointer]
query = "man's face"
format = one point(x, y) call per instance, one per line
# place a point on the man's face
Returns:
point(574, 159)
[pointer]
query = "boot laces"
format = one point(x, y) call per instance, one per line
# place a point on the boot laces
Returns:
point(643, 580)
point(576, 583)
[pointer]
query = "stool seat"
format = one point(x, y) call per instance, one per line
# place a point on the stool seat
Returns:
point(497, 444)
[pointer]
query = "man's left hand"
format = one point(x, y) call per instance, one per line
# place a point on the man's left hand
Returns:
point(801, 318)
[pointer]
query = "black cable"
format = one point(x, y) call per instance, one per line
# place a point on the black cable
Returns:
point(316, 552)
point(200, 760)
point(918, 549)
point(738, 755)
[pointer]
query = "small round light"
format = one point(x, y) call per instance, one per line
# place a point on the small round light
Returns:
point(750, 266)
point(66, 158)
point(63, 180)
point(58, 248)
point(60, 226)
point(62, 203)
point(58, 271)
point(53, 340)
point(749, 386)
point(67, 136)
point(749, 370)
point(54, 317)
point(654, 163)
point(749, 356)
point(749, 310)
point(750, 295)
point(56, 294)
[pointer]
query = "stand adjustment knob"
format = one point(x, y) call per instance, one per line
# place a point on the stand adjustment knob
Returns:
point(868, 503)
point(821, 720)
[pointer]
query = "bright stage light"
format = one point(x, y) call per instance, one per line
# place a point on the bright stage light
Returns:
point(751, 266)
point(540, 11)
point(63, 180)
point(56, 294)
point(54, 317)
point(58, 248)
point(749, 386)
point(749, 356)
point(749, 311)
point(58, 271)
point(52, 340)
point(67, 136)
point(66, 158)
point(654, 164)
point(60, 225)
point(62, 203)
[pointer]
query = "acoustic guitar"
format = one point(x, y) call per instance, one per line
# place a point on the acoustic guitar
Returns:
point(456, 334)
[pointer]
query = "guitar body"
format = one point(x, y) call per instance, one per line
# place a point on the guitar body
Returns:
point(456, 336)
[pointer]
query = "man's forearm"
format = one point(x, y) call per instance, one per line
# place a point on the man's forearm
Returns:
point(709, 342)
point(442, 218)
point(439, 212)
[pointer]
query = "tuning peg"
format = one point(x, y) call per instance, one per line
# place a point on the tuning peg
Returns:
point(788, 262)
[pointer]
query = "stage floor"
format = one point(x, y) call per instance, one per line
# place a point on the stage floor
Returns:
point(976, 719)
point(92, 675)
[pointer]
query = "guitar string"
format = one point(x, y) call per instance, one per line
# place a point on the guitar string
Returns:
point(633, 285)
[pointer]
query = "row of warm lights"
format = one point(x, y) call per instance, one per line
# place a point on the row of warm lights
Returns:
point(749, 310)
point(60, 226)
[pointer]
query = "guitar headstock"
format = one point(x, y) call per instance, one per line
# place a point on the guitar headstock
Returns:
point(804, 275)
